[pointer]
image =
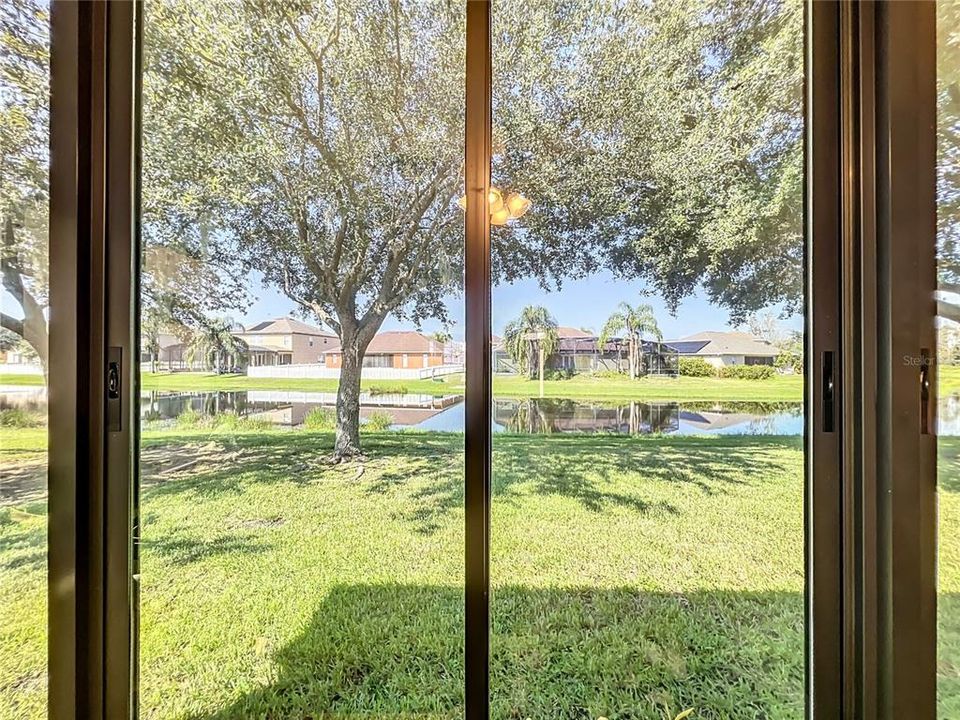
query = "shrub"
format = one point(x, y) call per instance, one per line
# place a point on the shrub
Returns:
point(696, 367)
point(189, 418)
point(20, 418)
point(550, 374)
point(320, 418)
point(747, 372)
point(231, 421)
point(609, 374)
point(386, 390)
point(378, 421)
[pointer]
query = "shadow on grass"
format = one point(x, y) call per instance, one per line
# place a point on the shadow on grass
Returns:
point(187, 550)
point(598, 471)
point(395, 651)
point(22, 546)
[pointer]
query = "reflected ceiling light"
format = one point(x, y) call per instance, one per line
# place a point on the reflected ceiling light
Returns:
point(495, 197)
point(517, 204)
point(502, 210)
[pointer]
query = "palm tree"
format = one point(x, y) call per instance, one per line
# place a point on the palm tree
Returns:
point(533, 334)
point(634, 322)
point(214, 343)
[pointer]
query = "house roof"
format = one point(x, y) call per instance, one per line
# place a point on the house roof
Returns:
point(399, 341)
point(285, 326)
point(724, 343)
point(571, 332)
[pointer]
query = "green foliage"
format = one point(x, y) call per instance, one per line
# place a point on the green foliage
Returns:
point(383, 389)
point(608, 374)
point(378, 421)
point(558, 374)
point(791, 360)
point(696, 367)
point(20, 418)
point(525, 337)
point(320, 418)
point(636, 322)
point(747, 372)
point(190, 419)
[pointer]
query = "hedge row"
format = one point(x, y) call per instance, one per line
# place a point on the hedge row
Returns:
point(698, 367)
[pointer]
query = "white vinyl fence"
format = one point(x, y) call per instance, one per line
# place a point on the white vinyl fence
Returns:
point(368, 373)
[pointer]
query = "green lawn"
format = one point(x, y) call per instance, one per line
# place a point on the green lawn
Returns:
point(633, 577)
point(778, 388)
point(949, 379)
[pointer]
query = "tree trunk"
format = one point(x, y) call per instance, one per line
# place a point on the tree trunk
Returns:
point(542, 361)
point(347, 443)
point(633, 359)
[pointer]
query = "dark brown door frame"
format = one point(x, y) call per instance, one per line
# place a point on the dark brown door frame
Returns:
point(478, 400)
point(823, 411)
point(92, 263)
point(861, 236)
point(905, 285)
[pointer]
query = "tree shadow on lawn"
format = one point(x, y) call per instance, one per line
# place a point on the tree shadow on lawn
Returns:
point(426, 469)
point(396, 651)
point(598, 471)
point(22, 545)
point(948, 463)
point(186, 550)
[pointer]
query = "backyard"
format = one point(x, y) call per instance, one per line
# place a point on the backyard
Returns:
point(633, 576)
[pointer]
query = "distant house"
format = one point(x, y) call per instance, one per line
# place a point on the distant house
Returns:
point(578, 351)
point(286, 341)
point(171, 355)
point(395, 349)
point(726, 348)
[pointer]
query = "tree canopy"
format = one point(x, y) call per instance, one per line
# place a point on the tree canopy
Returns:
point(320, 144)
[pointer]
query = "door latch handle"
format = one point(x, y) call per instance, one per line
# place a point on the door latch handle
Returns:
point(924, 391)
point(114, 384)
point(828, 390)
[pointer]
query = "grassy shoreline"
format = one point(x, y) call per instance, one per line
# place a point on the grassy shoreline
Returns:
point(779, 388)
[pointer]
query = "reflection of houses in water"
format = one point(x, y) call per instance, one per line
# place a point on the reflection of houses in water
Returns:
point(548, 415)
point(290, 408)
point(715, 420)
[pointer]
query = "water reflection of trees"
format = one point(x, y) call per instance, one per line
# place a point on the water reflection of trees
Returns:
point(165, 405)
point(554, 415)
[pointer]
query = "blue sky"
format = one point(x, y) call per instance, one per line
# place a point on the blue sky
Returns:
point(582, 304)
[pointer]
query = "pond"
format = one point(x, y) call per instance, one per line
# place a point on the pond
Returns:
point(530, 416)
point(446, 414)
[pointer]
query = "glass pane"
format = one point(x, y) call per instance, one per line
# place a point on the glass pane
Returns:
point(948, 356)
point(24, 183)
point(647, 540)
point(302, 360)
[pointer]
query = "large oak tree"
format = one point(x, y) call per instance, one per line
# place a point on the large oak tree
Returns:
point(320, 143)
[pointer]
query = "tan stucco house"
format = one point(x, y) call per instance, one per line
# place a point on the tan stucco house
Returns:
point(286, 341)
point(395, 349)
point(726, 348)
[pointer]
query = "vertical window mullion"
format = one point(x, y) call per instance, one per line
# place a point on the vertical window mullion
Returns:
point(478, 399)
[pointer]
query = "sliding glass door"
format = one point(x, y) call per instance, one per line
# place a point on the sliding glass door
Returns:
point(24, 356)
point(475, 359)
point(301, 360)
point(647, 531)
